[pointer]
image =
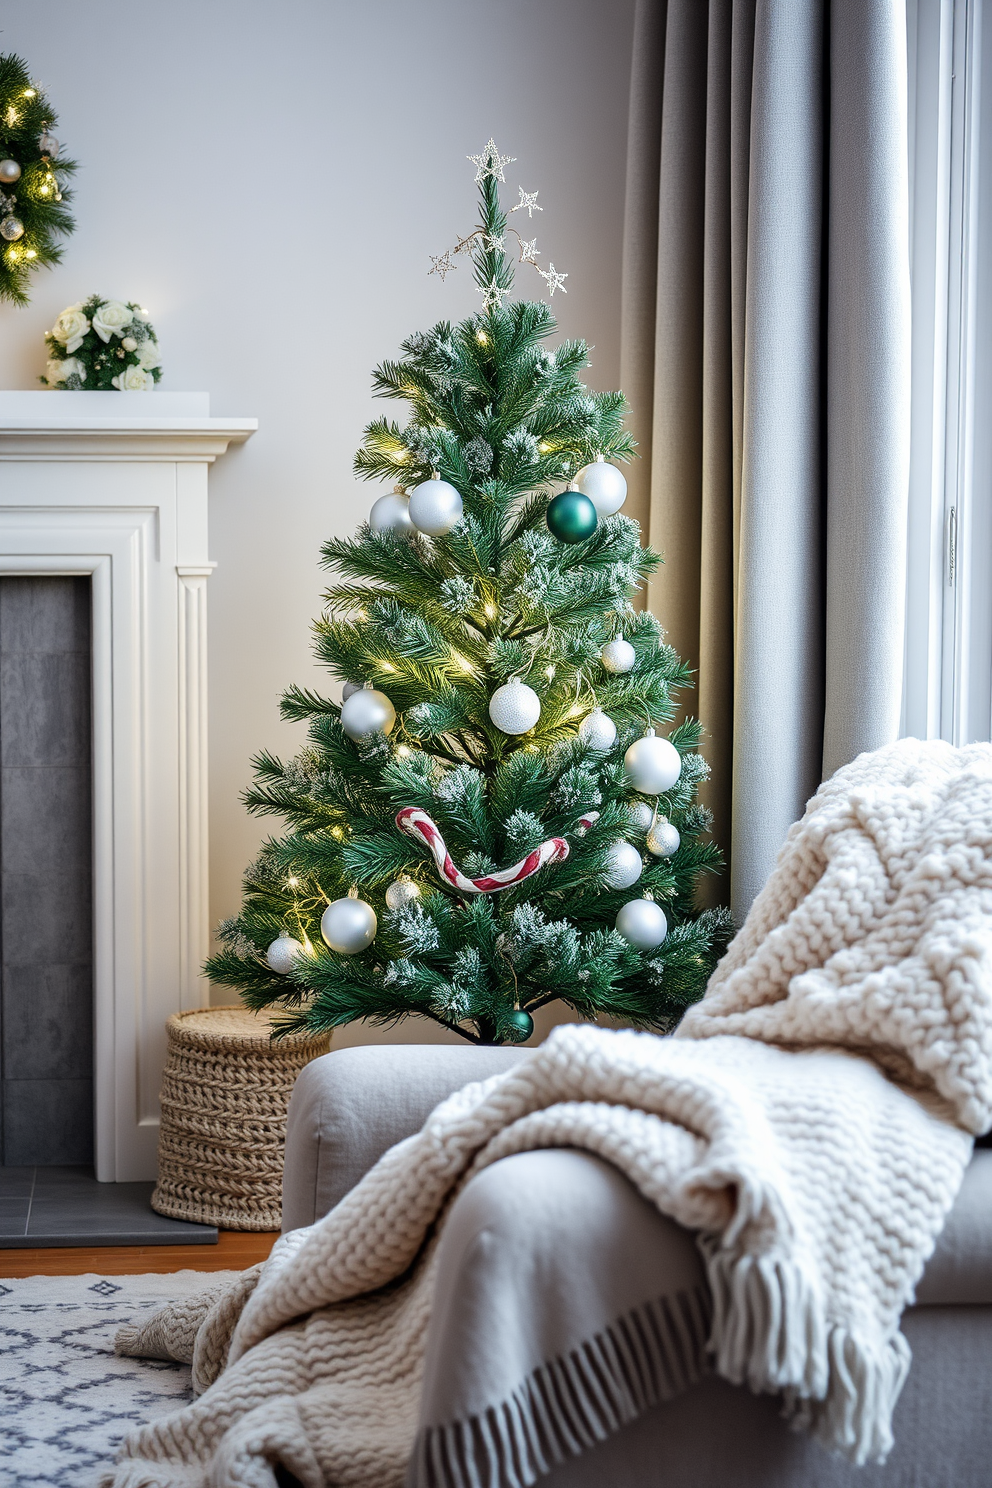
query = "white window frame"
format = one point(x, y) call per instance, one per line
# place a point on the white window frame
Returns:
point(948, 665)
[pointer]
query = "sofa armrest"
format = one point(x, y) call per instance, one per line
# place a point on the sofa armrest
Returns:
point(350, 1106)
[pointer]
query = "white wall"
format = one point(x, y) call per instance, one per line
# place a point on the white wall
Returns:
point(269, 179)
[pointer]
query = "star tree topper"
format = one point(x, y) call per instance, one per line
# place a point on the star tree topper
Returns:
point(490, 163)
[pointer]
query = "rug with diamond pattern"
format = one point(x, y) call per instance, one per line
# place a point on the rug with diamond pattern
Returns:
point(66, 1399)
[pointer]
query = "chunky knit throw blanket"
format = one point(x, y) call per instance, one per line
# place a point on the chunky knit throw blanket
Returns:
point(810, 1121)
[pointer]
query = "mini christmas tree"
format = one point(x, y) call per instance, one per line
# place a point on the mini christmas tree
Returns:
point(488, 821)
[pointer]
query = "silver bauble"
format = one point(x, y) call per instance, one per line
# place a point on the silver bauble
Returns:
point(652, 765)
point(401, 892)
point(366, 713)
point(598, 731)
point(391, 514)
point(640, 815)
point(618, 656)
point(514, 708)
point(663, 839)
point(604, 485)
point(10, 172)
point(11, 228)
point(349, 689)
point(282, 953)
point(348, 925)
point(623, 865)
point(435, 507)
point(642, 923)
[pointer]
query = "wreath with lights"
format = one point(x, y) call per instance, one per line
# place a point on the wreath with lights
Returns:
point(33, 175)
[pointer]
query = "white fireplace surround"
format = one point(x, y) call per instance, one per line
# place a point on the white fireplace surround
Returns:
point(114, 485)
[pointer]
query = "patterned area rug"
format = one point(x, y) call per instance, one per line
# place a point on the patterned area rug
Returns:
point(66, 1399)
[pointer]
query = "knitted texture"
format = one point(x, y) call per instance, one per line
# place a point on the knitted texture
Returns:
point(816, 1183)
point(225, 1095)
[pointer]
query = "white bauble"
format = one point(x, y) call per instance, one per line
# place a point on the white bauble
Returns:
point(598, 731)
point(391, 514)
point(640, 815)
point(642, 923)
point(618, 656)
point(663, 839)
point(622, 866)
point(401, 892)
point(604, 485)
point(514, 708)
point(349, 688)
point(435, 507)
point(283, 952)
point(348, 925)
point(652, 765)
point(366, 713)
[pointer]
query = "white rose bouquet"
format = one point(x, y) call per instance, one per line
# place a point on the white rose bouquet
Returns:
point(101, 345)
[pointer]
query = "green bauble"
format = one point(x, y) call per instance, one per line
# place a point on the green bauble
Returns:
point(518, 1026)
point(572, 517)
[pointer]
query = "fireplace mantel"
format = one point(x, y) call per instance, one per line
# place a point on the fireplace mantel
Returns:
point(114, 486)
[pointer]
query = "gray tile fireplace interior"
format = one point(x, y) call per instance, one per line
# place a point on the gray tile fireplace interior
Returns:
point(48, 1194)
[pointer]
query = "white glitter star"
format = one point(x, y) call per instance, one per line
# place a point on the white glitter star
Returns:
point(442, 265)
point(490, 163)
point(528, 252)
point(494, 244)
point(493, 294)
point(553, 279)
point(527, 202)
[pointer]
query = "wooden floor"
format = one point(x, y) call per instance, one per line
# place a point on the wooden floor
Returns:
point(234, 1251)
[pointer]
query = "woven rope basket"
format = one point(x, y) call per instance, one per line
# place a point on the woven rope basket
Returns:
point(225, 1094)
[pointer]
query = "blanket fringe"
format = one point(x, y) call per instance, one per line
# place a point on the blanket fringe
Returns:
point(565, 1407)
point(769, 1332)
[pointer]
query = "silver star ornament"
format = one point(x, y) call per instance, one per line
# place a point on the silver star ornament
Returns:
point(490, 163)
point(553, 279)
point(527, 202)
point(441, 266)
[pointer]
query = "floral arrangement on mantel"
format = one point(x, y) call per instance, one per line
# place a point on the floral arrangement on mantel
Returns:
point(101, 345)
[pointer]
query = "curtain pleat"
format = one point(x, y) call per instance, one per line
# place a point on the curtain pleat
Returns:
point(765, 356)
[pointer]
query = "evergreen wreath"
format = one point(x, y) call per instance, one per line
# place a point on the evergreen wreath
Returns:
point(103, 345)
point(33, 174)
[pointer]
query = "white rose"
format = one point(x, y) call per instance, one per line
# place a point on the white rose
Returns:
point(111, 319)
point(71, 327)
point(62, 371)
point(148, 353)
point(133, 380)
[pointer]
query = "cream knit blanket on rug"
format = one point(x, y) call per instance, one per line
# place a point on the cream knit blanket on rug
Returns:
point(811, 1121)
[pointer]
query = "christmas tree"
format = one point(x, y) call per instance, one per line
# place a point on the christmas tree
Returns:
point(488, 821)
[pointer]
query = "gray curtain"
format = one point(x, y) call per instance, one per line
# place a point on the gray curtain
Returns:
point(766, 359)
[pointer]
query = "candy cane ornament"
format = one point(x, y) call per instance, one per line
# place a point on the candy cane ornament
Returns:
point(417, 823)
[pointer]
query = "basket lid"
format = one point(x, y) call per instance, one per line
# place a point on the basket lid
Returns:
point(234, 1027)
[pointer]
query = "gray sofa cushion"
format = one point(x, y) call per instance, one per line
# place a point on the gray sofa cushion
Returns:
point(351, 1105)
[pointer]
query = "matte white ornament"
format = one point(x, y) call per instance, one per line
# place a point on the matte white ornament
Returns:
point(348, 925)
point(401, 892)
point(652, 765)
point(623, 865)
point(663, 839)
point(618, 656)
point(367, 712)
point(598, 731)
point(514, 708)
point(435, 507)
point(283, 952)
point(349, 688)
point(642, 923)
point(605, 486)
point(391, 514)
point(640, 815)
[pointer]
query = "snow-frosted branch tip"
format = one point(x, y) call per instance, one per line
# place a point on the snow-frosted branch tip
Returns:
point(527, 202)
point(553, 279)
point(490, 163)
point(441, 265)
